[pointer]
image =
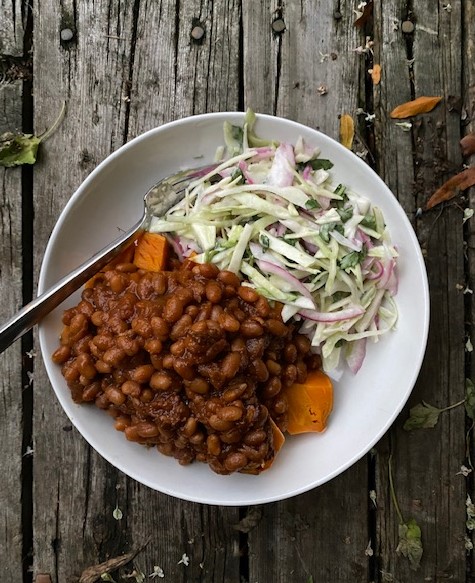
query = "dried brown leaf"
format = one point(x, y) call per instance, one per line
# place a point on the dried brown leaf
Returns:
point(93, 574)
point(367, 11)
point(347, 130)
point(419, 105)
point(468, 145)
point(452, 187)
point(376, 74)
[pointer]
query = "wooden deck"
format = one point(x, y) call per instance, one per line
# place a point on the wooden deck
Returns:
point(131, 66)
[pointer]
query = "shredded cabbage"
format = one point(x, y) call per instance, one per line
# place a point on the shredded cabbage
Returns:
point(273, 214)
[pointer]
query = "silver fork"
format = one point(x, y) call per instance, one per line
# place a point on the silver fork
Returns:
point(157, 201)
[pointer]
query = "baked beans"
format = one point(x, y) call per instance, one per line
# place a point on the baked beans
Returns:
point(188, 360)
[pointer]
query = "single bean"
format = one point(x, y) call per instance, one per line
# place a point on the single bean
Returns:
point(118, 283)
point(231, 436)
point(146, 396)
point(91, 391)
point(273, 367)
point(219, 424)
point(262, 307)
point(61, 354)
point(146, 429)
point(113, 356)
point(235, 461)
point(272, 388)
point(248, 294)
point(230, 413)
point(131, 388)
point(230, 364)
point(173, 309)
point(115, 396)
point(190, 427)
point(183, 369)
point(290, 353)
point(197, 439)
point(213, 444)
point(255, 437)
point(102, 367)
point(229, 323)
point(181, 327)
point(153, 346)
point(142, 327)
point(199, 385)
point(142, 373)
point(97, 318)
point(276, 327)
point(302, 343)
point(208, 270)
point(160, 328)
point(280, 405)
point(231, 394)
point(126, 267)
point(122, 422)
point(251, 329)
point(289, 375)
point(161, 381)
point(213, 292)
point(301, 371)
point(260, 370)
point(229, 278)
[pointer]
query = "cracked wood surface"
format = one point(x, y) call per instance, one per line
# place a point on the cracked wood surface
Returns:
point(131, 66)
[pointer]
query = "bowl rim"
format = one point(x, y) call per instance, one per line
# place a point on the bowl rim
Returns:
point(225, 116)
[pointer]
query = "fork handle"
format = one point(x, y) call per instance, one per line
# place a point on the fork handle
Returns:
point(34, 311)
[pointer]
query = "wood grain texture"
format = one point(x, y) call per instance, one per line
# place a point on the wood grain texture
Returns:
point(282, 74)
point(414, 164)
point(11, 434)
point(468, 118)
point(74, 489)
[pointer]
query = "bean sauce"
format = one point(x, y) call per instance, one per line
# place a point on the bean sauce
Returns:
point(190, 361)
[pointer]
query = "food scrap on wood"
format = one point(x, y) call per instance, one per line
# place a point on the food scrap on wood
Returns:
point(347, 130)
point(414, 107)
point(452, 187)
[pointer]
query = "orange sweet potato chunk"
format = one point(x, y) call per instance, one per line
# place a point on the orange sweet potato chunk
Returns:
point(151, 252)
point(310, 404)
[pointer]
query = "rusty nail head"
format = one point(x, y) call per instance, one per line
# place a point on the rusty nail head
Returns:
point(198, 32)
point(278, 25)
point(407, 27)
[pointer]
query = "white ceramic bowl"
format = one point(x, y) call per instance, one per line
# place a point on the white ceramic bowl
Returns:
point(365, 405)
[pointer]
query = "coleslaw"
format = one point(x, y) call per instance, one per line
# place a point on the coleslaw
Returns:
point(274, 215)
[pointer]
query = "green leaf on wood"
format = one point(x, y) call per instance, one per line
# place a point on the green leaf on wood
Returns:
point(422, 416)
point(470, 398)
point(410, 543)
point(19, 149)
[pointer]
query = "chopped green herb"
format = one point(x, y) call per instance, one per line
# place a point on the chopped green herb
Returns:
point(325, 231)
point(345, 214)
point(320, 164)
point(264, 241)
point(340, 190)
point(311, 204)
point(369, 222)
point(352, 259)
point(237, 174)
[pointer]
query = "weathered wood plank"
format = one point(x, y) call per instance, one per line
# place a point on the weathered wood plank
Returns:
point(74, 489)
point(414, 164)
point(11, 434)
point(468, 116)
point(10, 361)
point(282, 75)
